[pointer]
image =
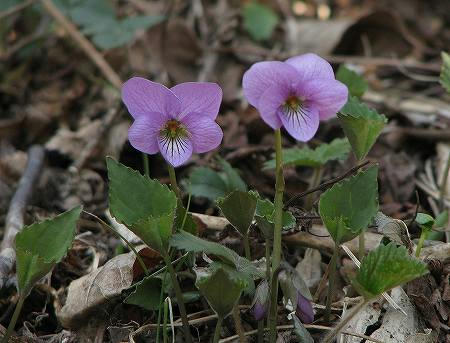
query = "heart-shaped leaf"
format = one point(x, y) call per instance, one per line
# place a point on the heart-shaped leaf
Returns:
point(146, 206)
point(239, 208)
point(386, 267)
point(41, 245)
point(221, 290)
point(355, 83)
point(264, 217)
point(348, 207)
point(337, 149)
point(133, 197)
point(361, 125)
point(425, 221)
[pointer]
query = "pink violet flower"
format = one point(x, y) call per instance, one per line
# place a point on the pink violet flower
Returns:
point(296, 94)
point(176, 122)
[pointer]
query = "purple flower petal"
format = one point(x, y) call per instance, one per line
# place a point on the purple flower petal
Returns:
point(270, 103)
point(304, 310)
point(302, 125)
point(258, 311)
point(311, 66)
point(205, 133)
point(263, 75)
point(145, 130)
point(142, 96)
point(328, 96)
point(199, 97)
point(176, 151)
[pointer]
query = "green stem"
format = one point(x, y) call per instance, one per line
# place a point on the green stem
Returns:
point(362, 245)
point(166, 315)
point(248, 254)
point(14, 318)
point(128, 243)
point(329, 338)
point(179, 296)
point(315, 181)
point(423, 236)
point(268, 246)
point(276, 252)
point(237, 323)
point(261, 331)
point(146, 165)
point(161, 295)
point(173, 181)
point(331, 282)
point(218, 329)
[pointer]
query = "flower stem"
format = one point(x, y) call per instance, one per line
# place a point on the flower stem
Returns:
point(331, 282)
point(173, 181)
point(14, 318)
point(248, 254)
point(361, 245)
point(146, 165)
point(268, 246)
point(329, 338)
point(166, 315)
point(423, 236)
point(218, 329)
point(238, 324)
point(261, 331)
point(276, 252)
point(161, 294)
point(179, 296)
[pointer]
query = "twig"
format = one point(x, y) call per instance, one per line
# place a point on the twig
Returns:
point(14, 9)
point(84, 44)
point(327, 184)
point(16, 213)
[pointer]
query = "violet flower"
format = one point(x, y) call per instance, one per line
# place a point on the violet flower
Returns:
point(261, 301)
point(296, 94)
point(176, 122)
point(304, 310)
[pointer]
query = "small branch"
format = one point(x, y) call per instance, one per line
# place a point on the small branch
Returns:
point(327, 184)
point(14, 9)
point(16, 213)
point(84, 44)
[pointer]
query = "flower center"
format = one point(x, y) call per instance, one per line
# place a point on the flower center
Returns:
point(173, 137)
point(294, 109)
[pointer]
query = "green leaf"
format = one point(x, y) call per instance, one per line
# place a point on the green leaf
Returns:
point(445, 71)
point(220, 290)
point(239, 208)
point(146, 294)
point(355, 83)
point(205, 182)
point(337, 149)
point(348, 207)
point(387, 267)
point(188, 242)
point(441, 220)
point(425, 221)
point(41, 245)
point(231, 176)
point(155, 231)
point(259, 20)
point(361, 125)
point(134, 197)
point(264, 217)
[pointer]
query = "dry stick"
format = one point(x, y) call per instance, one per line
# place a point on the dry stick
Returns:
point(14, 9)
point(327, 184)
point(15, 217)
point(82, 41)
